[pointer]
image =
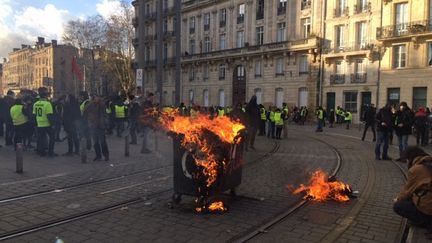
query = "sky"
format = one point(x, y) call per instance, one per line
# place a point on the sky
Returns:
point(22, 21)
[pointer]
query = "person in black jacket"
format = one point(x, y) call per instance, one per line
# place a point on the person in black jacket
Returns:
point(403, 124)
point(369, 119)
point(384, 126)
point(420, 125)
point(71, 121)
point(9, 133)
point(253, 120)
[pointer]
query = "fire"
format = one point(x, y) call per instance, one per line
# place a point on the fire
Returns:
point(321, 189)
point(200, 135)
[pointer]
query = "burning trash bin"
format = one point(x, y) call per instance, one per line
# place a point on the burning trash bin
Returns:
point(208, 156)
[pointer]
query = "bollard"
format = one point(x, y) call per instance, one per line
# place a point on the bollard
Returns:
point(127, 145)
point(19, 158)
point(83, 152)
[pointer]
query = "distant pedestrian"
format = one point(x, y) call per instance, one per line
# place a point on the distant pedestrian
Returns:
point(285, 115)
point(369, 120)
point(348, 119)
point(403, 125)
point(95, 116)
point(331, 118)
point(420, 125)
point(384, 126)
point(278, 117)
point(320, 119)
point(253, 120)
point(9, 101)
point(43, 110)
point(263, 119)
point(271, 122)
point(134, 113)
point(71, 122)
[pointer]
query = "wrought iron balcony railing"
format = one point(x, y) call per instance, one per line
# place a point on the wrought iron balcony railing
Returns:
point(222, 23)
point(281, 10)
point(240, 19)
point(404, 29)
point(339, 12)
point(362, 8)
point(306, 4)
point(349, 47)
point(337, 79)
point(358, 78)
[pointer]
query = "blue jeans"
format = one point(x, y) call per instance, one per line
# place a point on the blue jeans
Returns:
point(383, 138)
point(320, 124)
point(403, 142)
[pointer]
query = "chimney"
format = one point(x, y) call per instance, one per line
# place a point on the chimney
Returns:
point(41, 41)
point(54, 42)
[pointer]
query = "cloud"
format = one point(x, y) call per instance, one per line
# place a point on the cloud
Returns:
point(106, 8)
point(23, 25)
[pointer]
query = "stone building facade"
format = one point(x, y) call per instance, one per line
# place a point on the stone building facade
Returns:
point(234, 49)
point(351, 57)
point(406, 46)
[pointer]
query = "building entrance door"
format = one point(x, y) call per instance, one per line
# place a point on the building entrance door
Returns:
point(239, 85)
point(331, 101)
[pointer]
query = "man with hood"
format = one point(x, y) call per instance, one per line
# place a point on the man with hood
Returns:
point(403, 124)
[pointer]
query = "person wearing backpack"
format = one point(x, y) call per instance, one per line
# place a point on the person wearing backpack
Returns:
point(414, 201)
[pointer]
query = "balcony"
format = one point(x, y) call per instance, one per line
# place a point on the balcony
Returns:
point(206, 27)
point(222, 23)
point(404, 29)
point(240, 19)
point(358, 78)
point(191, 30)
point(281, 10)
point(362, 8)
point(337, 79)
point(305, 5)
point(340, 12)
point(349, 47)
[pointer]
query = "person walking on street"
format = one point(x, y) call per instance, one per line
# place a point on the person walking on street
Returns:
point(303, 114)
point(384, 126)
point(20, 120)
point(320, 119)
point(369, 119)
point(271, 122)
point(43, 110)
point(263, 116)
point(403, 124)
point(71, 121)
point(147, 110)
point(95, 116)
point(348, 119)
point(253, 120)
point(331, 118)
point(420, 125)
point(285, 115)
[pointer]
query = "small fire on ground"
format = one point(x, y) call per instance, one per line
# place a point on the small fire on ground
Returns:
point(321, 189)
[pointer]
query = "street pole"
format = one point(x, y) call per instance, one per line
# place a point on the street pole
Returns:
point(178, 52)
point(159, 52)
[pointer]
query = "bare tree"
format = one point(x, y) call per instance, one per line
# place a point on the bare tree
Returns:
point(119, 42)
point(86, 33)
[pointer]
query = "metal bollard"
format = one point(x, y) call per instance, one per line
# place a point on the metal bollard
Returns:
point(19, 158)
point(127, 145)
point(83, 152)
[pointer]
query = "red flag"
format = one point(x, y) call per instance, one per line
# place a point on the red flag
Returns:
point(76, 69)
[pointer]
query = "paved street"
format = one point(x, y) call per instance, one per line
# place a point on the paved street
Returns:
point(135, 195)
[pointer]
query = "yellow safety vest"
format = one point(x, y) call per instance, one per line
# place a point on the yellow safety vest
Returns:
point(348, 116)
point(263, 114)
point(41, 109)
point(18, 118)
point(278, 118)
point(83, 106)
point(120, 111)
point(272, 116)
point(320, 114)
point(221, 112)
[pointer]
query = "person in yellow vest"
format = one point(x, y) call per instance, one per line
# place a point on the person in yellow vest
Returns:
point(43, 111)
point(84, 131)
point(263, 119)
point(194, 111)
point(220, 111)
point(120, 112)
point(20, 120)
point(279, 122)
point(348, 118)
point(339, 115)
point(285, 115)
point(271, 122)
point(320, 119)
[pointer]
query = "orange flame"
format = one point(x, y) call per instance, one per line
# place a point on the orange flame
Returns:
point(320, 189)
point(213, 207)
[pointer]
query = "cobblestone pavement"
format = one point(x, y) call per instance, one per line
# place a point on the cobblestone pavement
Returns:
point(263, 194)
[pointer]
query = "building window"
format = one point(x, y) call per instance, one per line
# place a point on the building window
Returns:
point(393, 96)
point(260, 10)
point(206, 21)
point(419, 97)
point(222, 17)
point(258, 94)
point(399, 56)
point(191, 97)
point(361, 36)
point(221, 98)
point(240, 13)
point(306, 27)
point(192, 25)
point(279, 66)
point(258, 68)
point(350, 101)
point(429, 60)
point(341, 8)
point(191, 74)
point(303, 64)
point(340, 37)
point(359, 75)
point(362, 6)
point(192, 47)
point(222, 42)
point(279, 97)
point(207, 44)
point(259, 35)
point(165, 51)
point(282, 7)
point(221, 72)
point(205, 72)
point(401, 18)
point(240, 39)
point(206, 99)
point(280, 36)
